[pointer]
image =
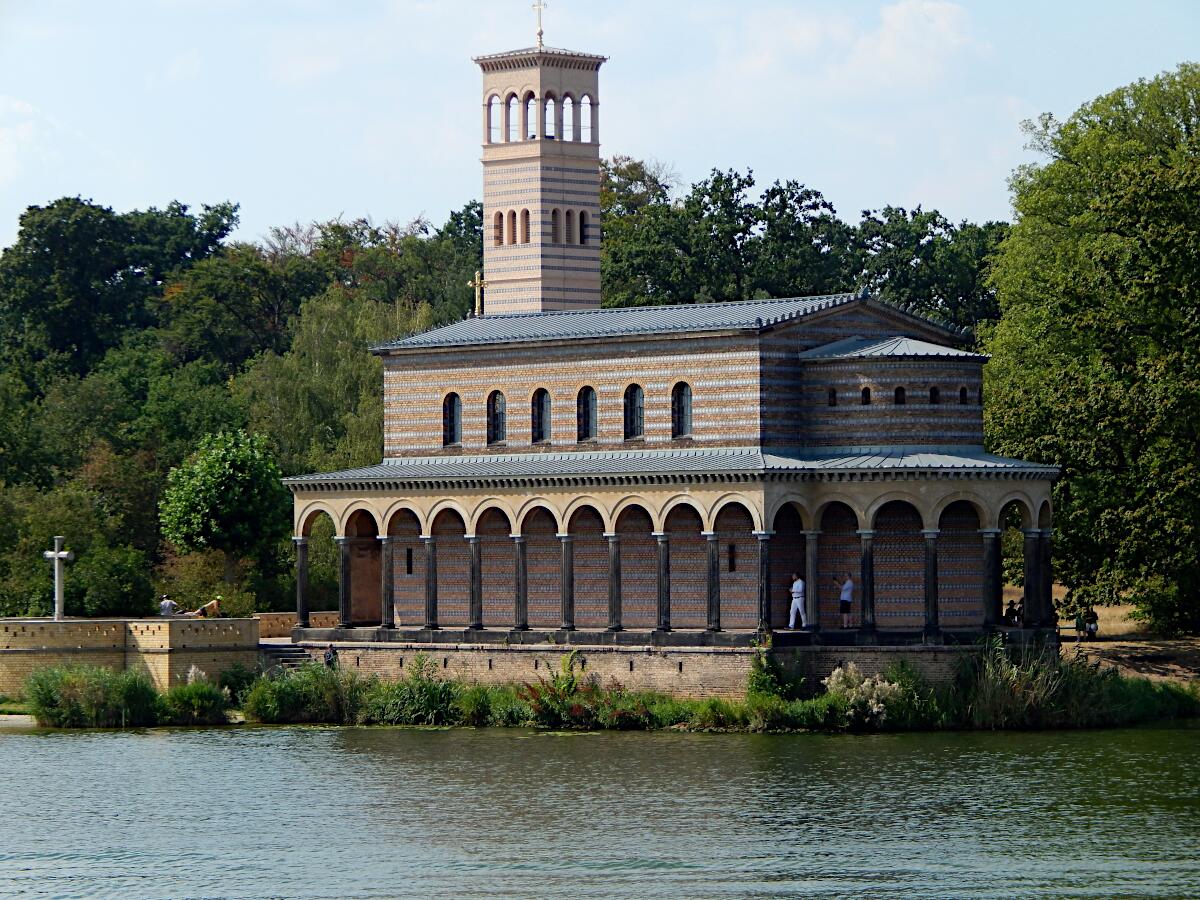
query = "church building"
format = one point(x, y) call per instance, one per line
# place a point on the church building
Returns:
point(655, 476)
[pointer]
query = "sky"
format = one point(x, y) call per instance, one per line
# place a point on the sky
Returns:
point(300, 110)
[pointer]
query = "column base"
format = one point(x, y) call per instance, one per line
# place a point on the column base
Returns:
point(614, 628)
point(933, 635)
point(519, 628)
point(474, 628)
point(867, 636)
point(560, 628)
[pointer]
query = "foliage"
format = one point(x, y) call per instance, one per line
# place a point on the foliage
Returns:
point(420, 698)
point(236, 681)
point(867, 698)
point(310, 693)
point(227, 497)
point(91, 697)
point(1094, 362)
point(198, 702)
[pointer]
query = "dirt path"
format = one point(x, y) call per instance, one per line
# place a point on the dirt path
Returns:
point(1176, 659)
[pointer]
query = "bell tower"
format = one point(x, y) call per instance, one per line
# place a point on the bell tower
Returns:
point(541, 180)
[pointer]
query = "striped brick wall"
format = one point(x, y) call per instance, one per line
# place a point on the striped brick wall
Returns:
point(960, 568)
point(787, 556)
point(453, 568)
point(899, 568)
point(882, 421)
point(498, 572)
point(543, 562)
point(591, 569)
point(408, 587)
point(639, 569)
point(838, 552)
point(723, 374)
point(689, 568)
point(739, 580)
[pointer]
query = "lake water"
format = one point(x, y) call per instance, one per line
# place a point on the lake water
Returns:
point(375, 812)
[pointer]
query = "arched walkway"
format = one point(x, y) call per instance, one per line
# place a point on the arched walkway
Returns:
point(543, 561)
point(787, 557)
point(497, 576)
point(408, 569)
point(960, 567)
point(839, 552)
point(739, 566)
point(590, 554)
point(899, 567)
point(639, 568)
point(688, 567)
point(453, 568)
point(361, 571)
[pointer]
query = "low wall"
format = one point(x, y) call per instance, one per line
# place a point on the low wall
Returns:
point(280, 624)
point(936, 664)
point(684, 672)
point(165, 649)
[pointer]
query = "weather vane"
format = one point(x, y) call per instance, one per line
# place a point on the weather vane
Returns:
point(538, 7)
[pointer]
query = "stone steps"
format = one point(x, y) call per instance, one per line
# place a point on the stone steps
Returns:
point(283, 656)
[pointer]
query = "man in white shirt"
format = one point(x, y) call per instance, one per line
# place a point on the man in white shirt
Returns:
point(846, 599)
point(797, 602)
point(166, 606)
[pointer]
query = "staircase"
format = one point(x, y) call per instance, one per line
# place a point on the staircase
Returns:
point(283, 656)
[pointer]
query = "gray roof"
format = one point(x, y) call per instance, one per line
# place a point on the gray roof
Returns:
point(526, 51)
point(858, 347)
point(748, 315)
point(709, 461)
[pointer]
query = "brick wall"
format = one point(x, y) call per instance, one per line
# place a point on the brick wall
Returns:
point(408, 569)
point(787, 556)
point(899, 568)
point(498, 569)
point(639, 569)
point(960, 568)
point(453, 569)
point(689, 569)
point(936, 664)
point(165, 649)
point(543, 565)
point(839, 551)
point(739, 567)
point(591, 569)
point(280, 624)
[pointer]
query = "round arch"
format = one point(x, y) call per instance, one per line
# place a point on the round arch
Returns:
point(356, 508)
point(398, 507)
point(725, 500)
point(444, 506)
point(634, 500)
point(535, 503)
point(1045, 514)
point(898, 497)
point(829, 500)
point(1024, 504)
point(586, 502)
point(793, 500)
point(683, 500)
point(943, 503)
point(482, 508)
point(309, 514)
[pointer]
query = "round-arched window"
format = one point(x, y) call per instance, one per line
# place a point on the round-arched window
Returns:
point(585, 414)
point(681, 410)
point(451, 420)
point(497, 425)
point(634, 412)
point(540, 413)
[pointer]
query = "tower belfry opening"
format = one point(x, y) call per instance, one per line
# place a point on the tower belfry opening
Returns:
point(541, 179)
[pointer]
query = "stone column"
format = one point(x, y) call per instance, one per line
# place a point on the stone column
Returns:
point(1046, 566)
point(764, 580)
point(664, 580)
point(387, 581)
point(811, 598)
point(345, 553)
point(614, 582)
point(867, 576)
point(932, 626)
point(566, 576)
point(993, 577)
point(475, 594)
point(431, 587)
point(301, 581)
point(521, 604)
point(1033, 578)
point(714, 581)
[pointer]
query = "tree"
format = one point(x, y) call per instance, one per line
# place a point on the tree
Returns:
point(228, 496)
point(804, 248)
point(1096, 358)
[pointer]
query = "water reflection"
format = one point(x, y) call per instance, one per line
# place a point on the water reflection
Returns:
point(373, 812)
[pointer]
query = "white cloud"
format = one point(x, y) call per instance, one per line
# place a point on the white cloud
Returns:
point(915, 43)
point(18, 137)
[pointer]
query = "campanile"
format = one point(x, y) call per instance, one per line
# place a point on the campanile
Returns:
point(541, 180)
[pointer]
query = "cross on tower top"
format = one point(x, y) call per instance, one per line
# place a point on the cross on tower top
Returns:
point(538, 7)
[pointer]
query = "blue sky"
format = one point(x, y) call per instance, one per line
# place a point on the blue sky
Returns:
point(302, 110)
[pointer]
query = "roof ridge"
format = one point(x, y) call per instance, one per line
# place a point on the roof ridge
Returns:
point(708, 304)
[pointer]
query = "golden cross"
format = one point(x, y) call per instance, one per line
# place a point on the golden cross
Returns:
point(479, 284)
point(538, 7)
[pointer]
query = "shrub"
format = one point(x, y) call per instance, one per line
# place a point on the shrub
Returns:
point(827, 712)
point(506, 708)
point(474, 706)
point(566, 700)
point(866, 698)
point(87, 696)
point(310, 693)
point(237, 681)
point(420, 698)
point(715, 714)
point(623, 711)
point(199, 702)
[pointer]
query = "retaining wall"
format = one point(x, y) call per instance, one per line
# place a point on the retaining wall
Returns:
point(165, 649)
point(280, 624)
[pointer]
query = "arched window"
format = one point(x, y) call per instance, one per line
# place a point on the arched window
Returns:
point(935, 396)
point(866, 396)
point(512, 226)
point(531, 116)
point(497, 428)
point(962, 396)
point(583, 226)
point(498, 229)
point(514, 118)
point(451, 420)
point(568, 106)
point(585, 118)
point(569, 236)
point(551, 130)
point(681, 410)
point(540, 431)
point(555, 233)
point(901, 396)
point(634, 412)
point(585, 414)
point(495, 112)
point(833, 396)
point(524, 226)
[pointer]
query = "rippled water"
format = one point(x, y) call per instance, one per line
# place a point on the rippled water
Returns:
point(373, 812)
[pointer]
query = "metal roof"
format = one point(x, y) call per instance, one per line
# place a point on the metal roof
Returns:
point(709, 461)
point(858, 347)
point(528, 51)
point(747, 315)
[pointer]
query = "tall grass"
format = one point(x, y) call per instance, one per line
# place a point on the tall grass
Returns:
point(93, 697)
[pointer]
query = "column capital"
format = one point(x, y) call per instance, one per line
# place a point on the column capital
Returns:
point(1031, 532)
point(812, 533)
point(426, 539)
point(565, 537)
point(1047, 532)
point(472, 538)
point(613, 537)
point(389, 538)
point(659, 535)
point(518, 538)
point(866, 533)
point(709, 535)
point(342, 540)
point(991, 532)
point(300, 541)
point(929, 533)
point(763, 535)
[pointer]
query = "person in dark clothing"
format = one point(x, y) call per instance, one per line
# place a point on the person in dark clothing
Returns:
point(331, 657)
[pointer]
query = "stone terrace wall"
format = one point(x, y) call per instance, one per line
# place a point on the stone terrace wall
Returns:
point(165, 649)
point(280, 624)
point(936, 664)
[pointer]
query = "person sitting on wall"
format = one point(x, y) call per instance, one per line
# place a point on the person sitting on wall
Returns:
point(1010, 614)
point(167, 607)
point(846, 601)
point(1091, 623)
point(797, 603)
point(331, 657)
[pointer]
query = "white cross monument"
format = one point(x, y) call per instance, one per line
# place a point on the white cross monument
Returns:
point(539, 7)
point(59, 556)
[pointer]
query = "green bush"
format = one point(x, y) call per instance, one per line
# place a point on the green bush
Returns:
point(566, 700)
point(91, 697)
point(506, 708)
point(310, 693)
point(420, 698)
point(199, 703)
point(237, 680)
point(473, 705)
